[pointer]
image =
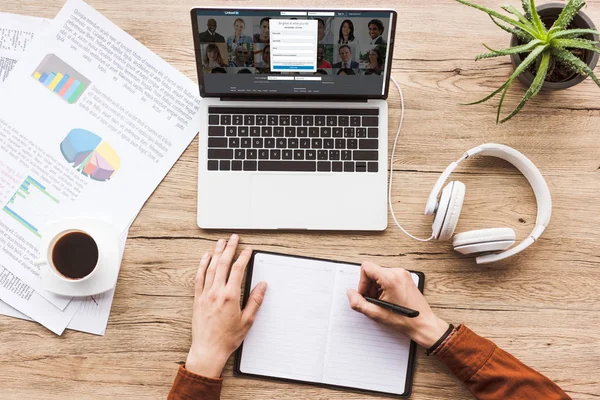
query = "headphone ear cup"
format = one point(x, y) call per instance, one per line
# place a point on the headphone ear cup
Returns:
point(450, 205)
point(484, 240)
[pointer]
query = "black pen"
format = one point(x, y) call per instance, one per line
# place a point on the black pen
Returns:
point(407, 312)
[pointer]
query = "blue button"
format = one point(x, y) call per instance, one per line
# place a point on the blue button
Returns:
point(305, 67)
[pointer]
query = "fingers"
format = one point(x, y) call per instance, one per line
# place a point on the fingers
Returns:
point(358, 303)
point(370, 277)
point(237, 270)
point(255, 300)
point(201, 274)
point(225, 261)
point(375, 291)
point(214, 261)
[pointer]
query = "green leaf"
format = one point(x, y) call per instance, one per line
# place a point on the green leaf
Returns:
point(526, 63)
point(575, 63)
point(552, 65)
point(577, 44)
point(524, 36)
point(535, 87)
point(526, 7)
point(484, 56)
point(495, 92)
point(566, 16)
point(516, 13)
point(500, 104)
point(573, 33)
point(501, 17)
point(537, 63)
point(535, 17)
point(511, 50)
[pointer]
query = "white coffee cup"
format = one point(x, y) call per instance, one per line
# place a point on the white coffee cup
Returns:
point(72, 255)
point(102, 277)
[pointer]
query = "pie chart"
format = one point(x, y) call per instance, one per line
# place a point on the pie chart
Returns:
point(90, 154)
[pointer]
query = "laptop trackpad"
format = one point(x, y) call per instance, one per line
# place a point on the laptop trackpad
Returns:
point(292, 201)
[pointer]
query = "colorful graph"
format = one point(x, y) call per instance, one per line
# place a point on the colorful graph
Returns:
point(30, 205)
point(90, 154)
point(61, 78)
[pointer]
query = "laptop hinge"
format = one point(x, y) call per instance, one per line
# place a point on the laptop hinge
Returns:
point(294, 100)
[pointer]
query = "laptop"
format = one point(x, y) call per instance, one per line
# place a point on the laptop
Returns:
point(293, 121)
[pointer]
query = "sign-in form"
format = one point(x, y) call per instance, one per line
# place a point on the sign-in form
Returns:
point(293, 45)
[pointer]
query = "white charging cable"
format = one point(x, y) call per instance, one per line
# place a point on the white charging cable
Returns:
point(392, 166)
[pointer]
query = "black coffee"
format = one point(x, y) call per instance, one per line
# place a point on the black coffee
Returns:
point(75, 255)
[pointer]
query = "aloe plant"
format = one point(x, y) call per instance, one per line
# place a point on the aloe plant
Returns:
point(545, 47)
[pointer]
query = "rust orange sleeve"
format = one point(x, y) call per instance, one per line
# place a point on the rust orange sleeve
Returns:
point(491, 373)
point(189, 386)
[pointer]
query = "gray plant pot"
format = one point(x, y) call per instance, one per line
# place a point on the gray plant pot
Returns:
point(581, 21)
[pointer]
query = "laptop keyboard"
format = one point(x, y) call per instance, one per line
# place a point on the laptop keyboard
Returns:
point(284, 139)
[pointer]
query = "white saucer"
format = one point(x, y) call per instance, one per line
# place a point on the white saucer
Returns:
point(104, 277)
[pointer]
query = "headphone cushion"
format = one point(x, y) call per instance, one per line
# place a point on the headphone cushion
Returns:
point(484, 240)
point(452, 210)
point(441, 209)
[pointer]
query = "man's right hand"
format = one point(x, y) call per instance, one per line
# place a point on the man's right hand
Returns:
point(395, 285)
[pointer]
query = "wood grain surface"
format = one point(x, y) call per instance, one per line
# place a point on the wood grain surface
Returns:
point(543, 306)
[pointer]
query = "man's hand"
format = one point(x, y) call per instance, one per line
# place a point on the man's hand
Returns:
point(218, 324)
point(395, 285)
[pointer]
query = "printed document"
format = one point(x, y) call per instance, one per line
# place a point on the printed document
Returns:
point(91, 315)
point(16, 32)
point(90, 123)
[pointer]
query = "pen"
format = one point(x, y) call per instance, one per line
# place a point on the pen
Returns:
point(407, 312)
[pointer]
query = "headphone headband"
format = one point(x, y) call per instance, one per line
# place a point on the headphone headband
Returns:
point(531, 173)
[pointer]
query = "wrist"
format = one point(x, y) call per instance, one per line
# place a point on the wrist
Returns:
point(207, 365)
point(430, 331)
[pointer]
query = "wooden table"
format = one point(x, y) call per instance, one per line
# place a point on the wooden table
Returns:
point(543, 306)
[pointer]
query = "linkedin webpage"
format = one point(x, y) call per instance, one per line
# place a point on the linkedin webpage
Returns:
point(293, 52)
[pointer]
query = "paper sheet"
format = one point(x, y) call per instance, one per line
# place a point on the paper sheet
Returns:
point(16, 32)
point(90, 121)
point(23, 298)
point(91, 315)
point(305, 329)
point(21, 252)
point(360, 352)
point(7, 310)
point(289, 336)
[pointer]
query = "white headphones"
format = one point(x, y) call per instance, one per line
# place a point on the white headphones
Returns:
point(447, 208)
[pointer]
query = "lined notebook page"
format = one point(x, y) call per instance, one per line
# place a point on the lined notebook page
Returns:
point(305, 329)
point(289, 335)
point(360, 352)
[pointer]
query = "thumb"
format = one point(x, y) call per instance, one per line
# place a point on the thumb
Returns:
point(255, 300)
point(360, 304)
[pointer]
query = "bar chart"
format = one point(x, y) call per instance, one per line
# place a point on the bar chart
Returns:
point(61, 78)
point(31, 205)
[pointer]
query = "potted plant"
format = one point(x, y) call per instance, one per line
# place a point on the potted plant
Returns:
point(553, 46)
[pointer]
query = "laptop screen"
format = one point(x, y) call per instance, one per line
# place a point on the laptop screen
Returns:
point(293, 53)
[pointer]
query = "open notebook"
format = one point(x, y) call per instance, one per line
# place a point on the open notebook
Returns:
point(306, 331)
